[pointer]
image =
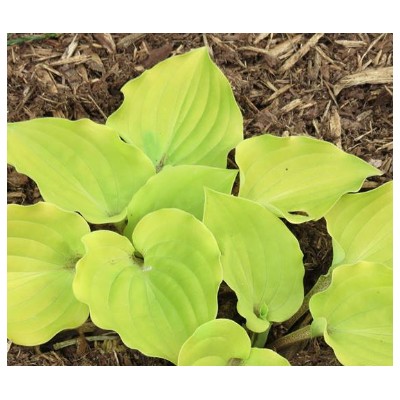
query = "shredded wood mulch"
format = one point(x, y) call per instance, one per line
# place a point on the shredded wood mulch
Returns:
point(336, 87)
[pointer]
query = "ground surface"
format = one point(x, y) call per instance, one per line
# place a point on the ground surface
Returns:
point(336, 87)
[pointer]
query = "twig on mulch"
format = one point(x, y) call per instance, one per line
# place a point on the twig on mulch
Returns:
point(301, 53)
point(286, 46)
point(371, 76)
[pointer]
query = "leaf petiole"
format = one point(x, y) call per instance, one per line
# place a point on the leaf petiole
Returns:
point(292, 338)
point(259, 339)
point(322, 283)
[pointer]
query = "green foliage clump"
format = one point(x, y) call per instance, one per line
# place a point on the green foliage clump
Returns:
point(157, 172)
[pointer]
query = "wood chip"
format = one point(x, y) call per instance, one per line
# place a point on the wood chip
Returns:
point(251, 105)
point(285, 46)
point(370, 47)
point(272, 60)
point(314, 68)
point(301, 53)
point(94, 61)
point(316, 127)
point(291, 106)
point(327, 58)
point(278, 92)
point(375, 162)
point(52, 70)
point(270, 85)
point(364, 115)
point(377, 58)
point(260, 37)
point(73, 60)
point(81, 70)
point(70, 50)
point(126, 41)
point(335, 127)
point(387, 146)
point(72, 77)
point(331, 94)
point(369, 76)
point(351, 43)
point(46, 79)
point(106, 40)
point(387, 165)
point(307, 105)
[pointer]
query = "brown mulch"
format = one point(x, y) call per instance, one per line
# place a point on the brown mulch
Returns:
point(336, 87)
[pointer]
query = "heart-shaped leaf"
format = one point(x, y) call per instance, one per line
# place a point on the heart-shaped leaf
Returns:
point(361, 226)
point(156, 292)
point(182, 111)
point(79, 165)
point(178, 187)
point(261, 259)
point(43, 245)
point(222, 342)
point(298, 178)
point(355, 314)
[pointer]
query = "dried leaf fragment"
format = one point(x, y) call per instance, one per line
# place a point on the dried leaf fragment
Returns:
point(157, 55)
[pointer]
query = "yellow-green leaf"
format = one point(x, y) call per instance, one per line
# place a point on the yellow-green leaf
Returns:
point(182, 111)
point(155, 291)
point(222, 342)
point(261, 259)
point(43, 245)
point(355, 314)
point(298, 178)
point(178, 187)
point(361, 226)
point(79, 165)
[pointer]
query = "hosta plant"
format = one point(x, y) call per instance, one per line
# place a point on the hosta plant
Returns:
point(140, 225)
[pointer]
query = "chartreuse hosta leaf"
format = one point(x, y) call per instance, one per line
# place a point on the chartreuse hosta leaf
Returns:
point(355, 314)
point(43, 245)
point(178, 187)
point(222, 342)
point(361, 226)
point(298, 178)
point(182, 111)
point(261, 259)
point(79, 165)
point(156, 292)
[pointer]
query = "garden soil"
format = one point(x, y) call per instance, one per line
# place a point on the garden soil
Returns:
point(336, 87)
